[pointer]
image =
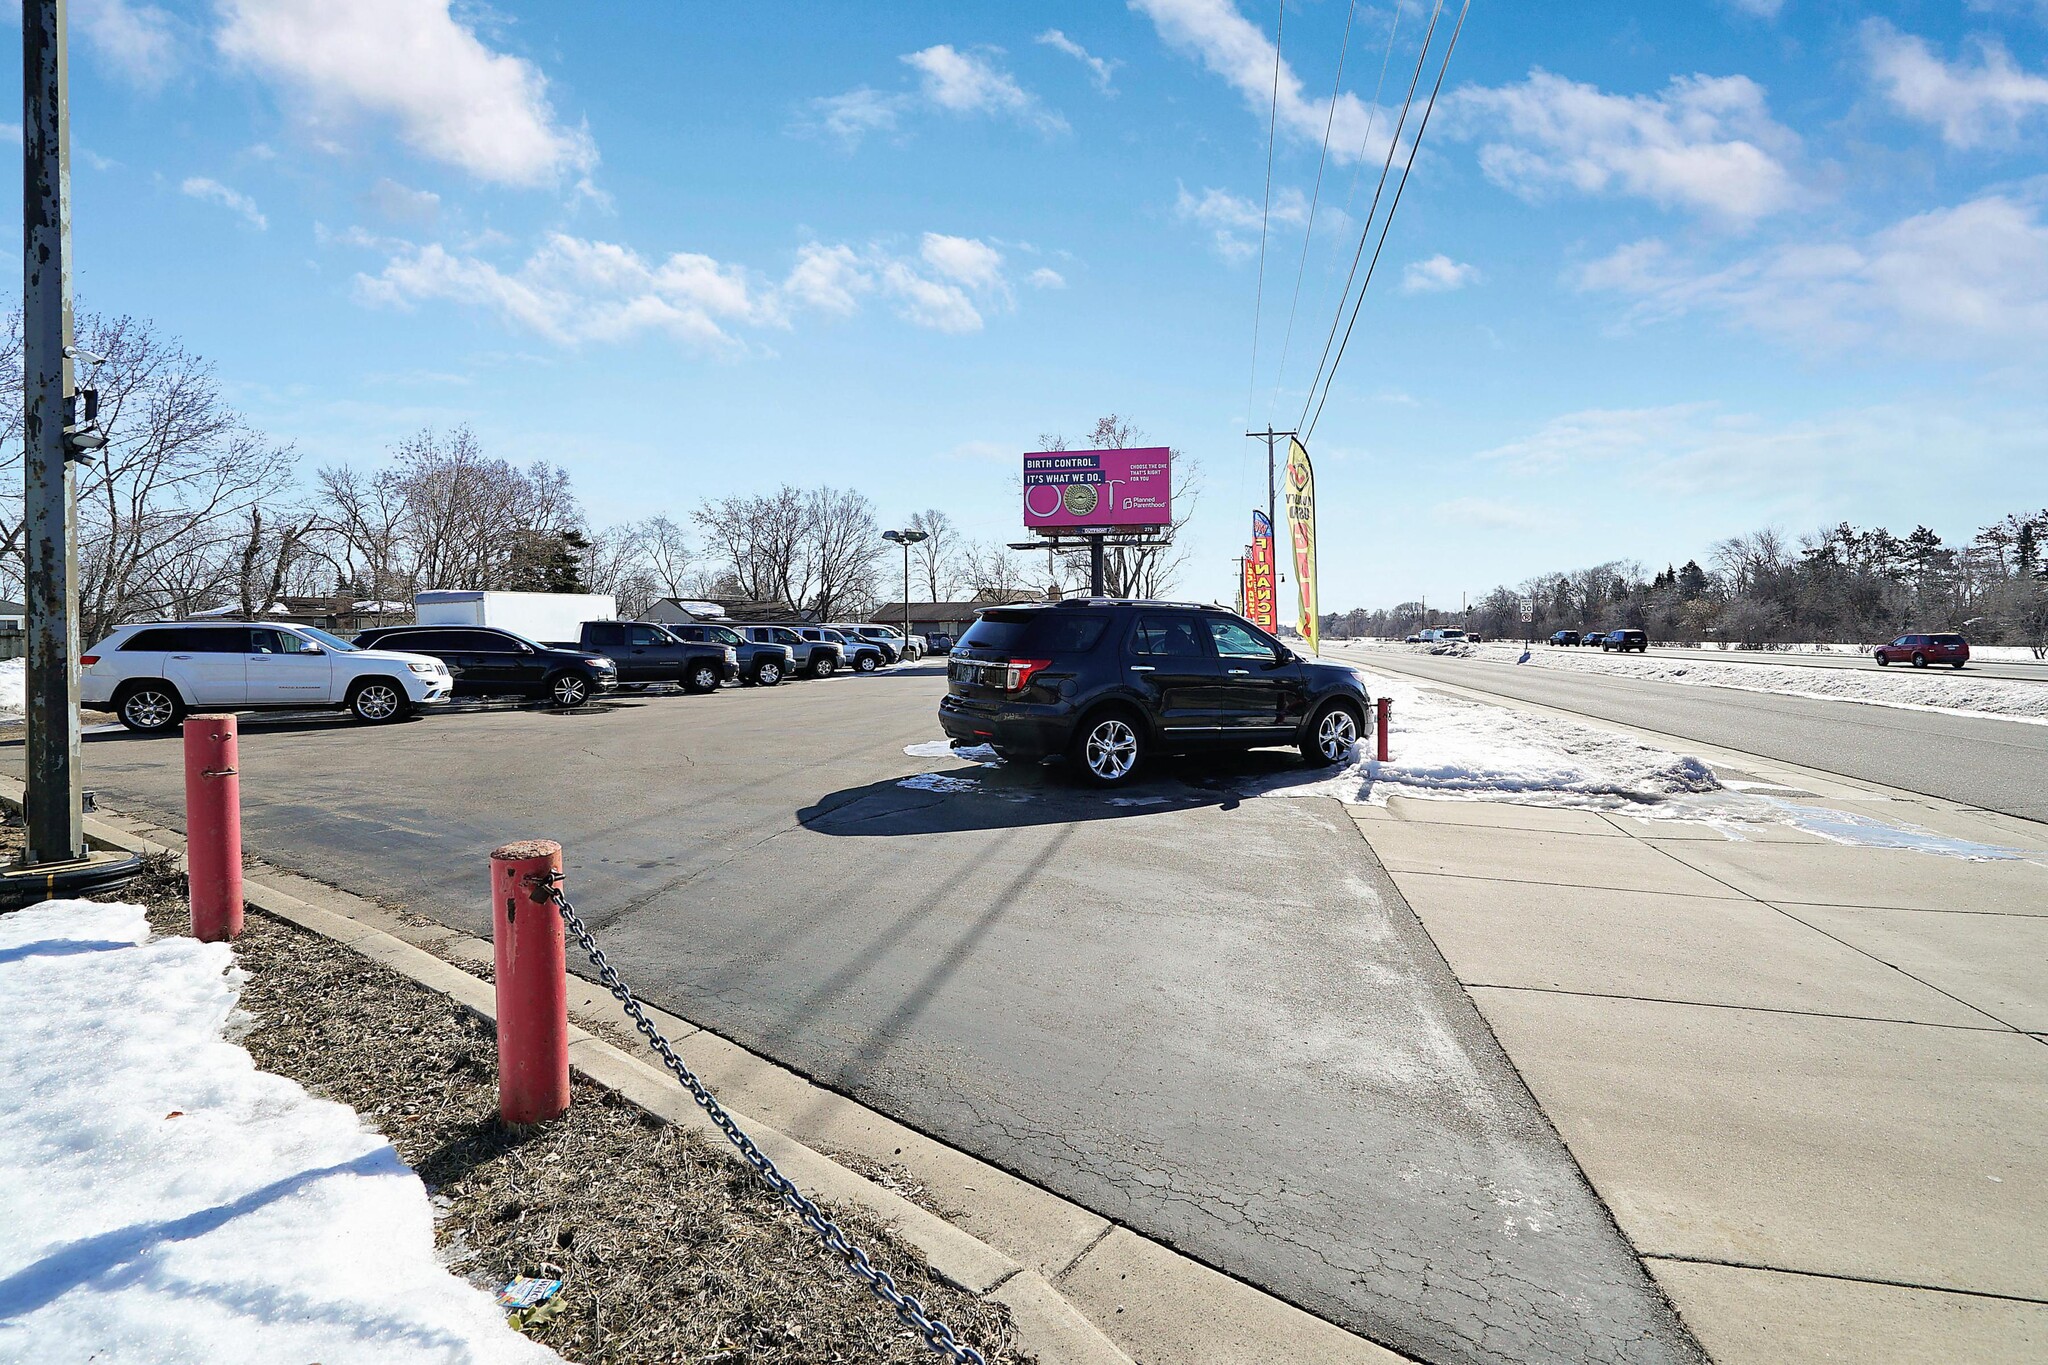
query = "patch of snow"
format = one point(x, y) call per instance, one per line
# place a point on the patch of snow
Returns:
point(1902, 687)
point(170, 1202)
point(940, 748)
point(13, 688)
point(939, 782)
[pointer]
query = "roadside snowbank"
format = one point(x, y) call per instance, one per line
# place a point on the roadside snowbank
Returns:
point(13, 688)
point(170, 1202)
point(1910, 689)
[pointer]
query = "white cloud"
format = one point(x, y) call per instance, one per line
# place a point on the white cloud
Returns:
point(1439, 274)
point(1758, 9)
point(1971, 104)
point(411, 61)
point(397, 203)
point(970, 83)
point(1235, 220)
point(1216, 33)
point(139, 41)
point(1707, 143)
point(1101, 69)
point(1047, 278)
point(575, 290)
point(213, 192)
point(853, 115)
point(1954, 280)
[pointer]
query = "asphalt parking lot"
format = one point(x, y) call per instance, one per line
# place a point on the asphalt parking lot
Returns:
point(1198, 1007)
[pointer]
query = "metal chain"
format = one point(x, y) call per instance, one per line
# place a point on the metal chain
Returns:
point(908, 1310)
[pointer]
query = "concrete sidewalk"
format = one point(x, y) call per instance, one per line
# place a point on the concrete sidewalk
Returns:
point(1810, 1080)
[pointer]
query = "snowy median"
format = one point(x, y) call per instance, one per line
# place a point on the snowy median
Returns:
point(1955, 693)
point(170, 1202)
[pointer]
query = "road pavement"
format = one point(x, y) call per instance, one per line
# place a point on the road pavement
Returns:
point(1199, 1007)
point(2019, 670)
point(1995, 764)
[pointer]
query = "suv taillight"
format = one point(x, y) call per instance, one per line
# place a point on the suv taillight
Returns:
point(88, 660)
point(1018, 673)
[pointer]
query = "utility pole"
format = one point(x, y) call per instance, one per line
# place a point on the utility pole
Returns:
point(1272, 502)
point(54, 803)
point(55, 860)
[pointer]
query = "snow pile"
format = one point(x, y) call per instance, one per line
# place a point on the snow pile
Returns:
point(1901, 686)
point(1446, 746)
point(171, 1203)
point(13, 688)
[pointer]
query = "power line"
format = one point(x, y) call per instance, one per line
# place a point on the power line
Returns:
point(1265, 215)
point(1392, 209)
point(1365, 231)
point(1372, 114)
point(1308, 233)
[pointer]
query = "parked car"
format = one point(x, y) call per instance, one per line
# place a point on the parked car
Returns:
point(645, 652)
point(761, 664)
point(1565, 637)
point(150, 675)
point(1625, 640)
point(881, 637)
point(488, 662)
point(860, 655)
point(1109, 682)
point(1413, 640)
point(939, 642)
point(1592, 637)
point(1922, 650)
point(814, 658)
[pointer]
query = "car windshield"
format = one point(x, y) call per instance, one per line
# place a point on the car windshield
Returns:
point(327, 641)
point(725, 635)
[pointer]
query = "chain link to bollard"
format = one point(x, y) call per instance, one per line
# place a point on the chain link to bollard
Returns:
point(908, 1310)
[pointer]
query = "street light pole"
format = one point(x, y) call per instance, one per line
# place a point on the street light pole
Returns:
point(906, 539)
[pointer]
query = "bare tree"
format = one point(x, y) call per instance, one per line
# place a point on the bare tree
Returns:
point(933, 555)
point(269, 560)
point(843, 546)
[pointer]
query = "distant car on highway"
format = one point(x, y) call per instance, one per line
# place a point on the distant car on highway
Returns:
point(1625, 640)
point(1592, 637)
point(1108, 682)
point(150, 674)
point(1412, 640)
point(488, 662)
point(1922, 650)
point(1564, 637)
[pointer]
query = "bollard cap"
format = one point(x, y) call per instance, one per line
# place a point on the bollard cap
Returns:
point(526, 849)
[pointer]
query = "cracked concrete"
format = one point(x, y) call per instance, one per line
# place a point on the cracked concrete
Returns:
point(1211, 1018)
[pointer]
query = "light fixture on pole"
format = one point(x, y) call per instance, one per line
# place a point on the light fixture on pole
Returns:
point(906, 539)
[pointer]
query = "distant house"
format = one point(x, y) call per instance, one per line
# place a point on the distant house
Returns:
point(949, 618)
point(731, 610)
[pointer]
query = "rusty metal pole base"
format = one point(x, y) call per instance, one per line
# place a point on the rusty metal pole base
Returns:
point(96, 874)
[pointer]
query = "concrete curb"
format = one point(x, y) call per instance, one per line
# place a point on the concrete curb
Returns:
point(1047, 1324)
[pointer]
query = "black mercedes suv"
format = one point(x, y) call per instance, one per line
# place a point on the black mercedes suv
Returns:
point(1108, 682)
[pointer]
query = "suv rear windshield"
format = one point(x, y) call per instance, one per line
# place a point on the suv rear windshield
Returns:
point(1034, 632)
point(1948, 639)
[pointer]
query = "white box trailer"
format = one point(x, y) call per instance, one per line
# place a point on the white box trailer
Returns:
point(536, 615)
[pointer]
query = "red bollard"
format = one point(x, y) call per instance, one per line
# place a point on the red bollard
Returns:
point(213, 828)
point(1386, 715)
point(532, 983)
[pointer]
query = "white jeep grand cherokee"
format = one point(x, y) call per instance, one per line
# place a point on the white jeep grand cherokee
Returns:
point(150, 675)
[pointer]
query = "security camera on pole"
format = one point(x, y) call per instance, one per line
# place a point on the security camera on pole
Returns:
point(58, 429)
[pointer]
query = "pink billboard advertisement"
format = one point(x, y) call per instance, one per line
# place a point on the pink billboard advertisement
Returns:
point(1064, 489)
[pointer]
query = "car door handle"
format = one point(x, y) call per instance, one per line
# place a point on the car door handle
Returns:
point(187, 658)
point(1142, 668)
point(1240, 672)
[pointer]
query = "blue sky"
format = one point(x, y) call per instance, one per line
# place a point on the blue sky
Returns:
point(1664, 274)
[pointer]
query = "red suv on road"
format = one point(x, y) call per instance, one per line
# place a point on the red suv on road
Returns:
point(1922, 650)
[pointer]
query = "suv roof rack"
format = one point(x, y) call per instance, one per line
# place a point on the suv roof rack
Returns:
point(1130, 602)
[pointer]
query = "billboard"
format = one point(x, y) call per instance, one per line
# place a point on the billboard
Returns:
point(1122, 489)
point(1261, 608)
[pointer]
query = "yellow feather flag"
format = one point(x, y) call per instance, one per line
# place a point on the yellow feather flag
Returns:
point(1301, 519)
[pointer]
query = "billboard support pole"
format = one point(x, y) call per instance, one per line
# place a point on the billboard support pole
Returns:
point(1095, 566)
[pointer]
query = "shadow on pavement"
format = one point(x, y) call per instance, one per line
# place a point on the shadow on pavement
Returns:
point(970, 796)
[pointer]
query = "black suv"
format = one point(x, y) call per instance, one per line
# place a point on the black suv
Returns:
point(1108, 682)
point(1625, 640)
point(488, 662)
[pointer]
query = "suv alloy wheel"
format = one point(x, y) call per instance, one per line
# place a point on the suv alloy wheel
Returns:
point(150, 708)
point(1334, 735)
point(568, 689)
point(1108, 749)
point(375, 701)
